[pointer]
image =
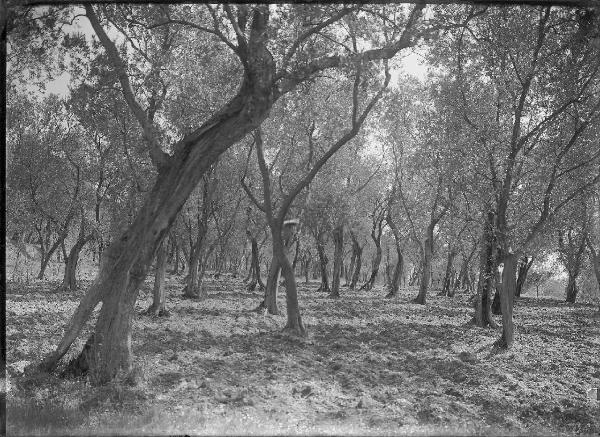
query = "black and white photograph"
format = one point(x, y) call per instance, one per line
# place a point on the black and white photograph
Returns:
point(313, 219)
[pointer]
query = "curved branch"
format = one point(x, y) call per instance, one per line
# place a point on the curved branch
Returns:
point(159, 158)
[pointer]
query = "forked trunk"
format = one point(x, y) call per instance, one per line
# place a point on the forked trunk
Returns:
point(376, 262)
point(338, 243)
point(120, 276)
point(524, 267)
point(446, 287)
point(255, 268)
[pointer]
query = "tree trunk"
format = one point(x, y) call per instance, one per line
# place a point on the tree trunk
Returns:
point(158, 294)
point(255, 267)
point(524, 267)
point(487, 267)
point(270, 299)
point(119, 278)
point(376, 262)
point(447, 285)
point(427, 254)
point(350, 269)
point(358, 263)
point(323, 261)
point(338, 243)
point(395, 282)
point(571, 290)
point(69, 278)
point(507, 293)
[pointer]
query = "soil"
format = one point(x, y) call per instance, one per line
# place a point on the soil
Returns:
point(371, 366)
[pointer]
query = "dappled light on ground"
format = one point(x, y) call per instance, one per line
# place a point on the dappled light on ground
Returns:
point(370, 366)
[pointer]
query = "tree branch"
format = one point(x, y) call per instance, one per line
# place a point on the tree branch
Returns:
point(159, 158)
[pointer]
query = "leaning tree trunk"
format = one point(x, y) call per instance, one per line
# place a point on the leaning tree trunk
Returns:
point(338, 243)
point(69, 278)
point(157, 308)
point(524, 267)
point(376, 262)
point(323, 261)
point(126, 266)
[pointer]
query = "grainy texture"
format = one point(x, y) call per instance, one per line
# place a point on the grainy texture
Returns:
point(371, 366)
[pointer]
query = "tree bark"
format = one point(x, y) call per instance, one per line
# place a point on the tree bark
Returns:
point(447, 285)
point(507, 293)
point(524, 267)
point(487, 267)
point(69, 278)
point(158, 307)
point(357, 264)
point(572, 290)
point(323, 261)
point(427, 254)
point(376, 237)
point(255, 267)
point(395, 282)
point(338, 244)
point(118, 281)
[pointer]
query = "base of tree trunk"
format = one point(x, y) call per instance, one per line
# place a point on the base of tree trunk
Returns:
point(333, 295)
point(153, 311)
point(298, 330)
point(80, 365)
point(419, 299)
point(391, 294)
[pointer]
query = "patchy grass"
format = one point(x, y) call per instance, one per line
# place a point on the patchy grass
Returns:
point(371, 366)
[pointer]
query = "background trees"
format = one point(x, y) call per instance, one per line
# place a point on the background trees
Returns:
point(470, 168)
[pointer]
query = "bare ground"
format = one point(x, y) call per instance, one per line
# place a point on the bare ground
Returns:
point(370, 366)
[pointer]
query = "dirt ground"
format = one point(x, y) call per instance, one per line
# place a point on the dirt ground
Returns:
point(371, 366)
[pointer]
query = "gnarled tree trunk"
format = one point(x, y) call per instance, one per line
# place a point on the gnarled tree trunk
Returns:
point(357, 248)
point(126, 261)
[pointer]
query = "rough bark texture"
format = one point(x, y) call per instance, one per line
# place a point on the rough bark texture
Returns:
point(338, 244)
point(255, 267)
point(127, 265)
point(69, 278)
point(447, 285)
point(507, 293)
point(524, 266)
point(398, 270)
point(158, 306)
point(323, 261)
point(376, 237)
point(427, 254)
point(487, 267)
point(357, 264)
